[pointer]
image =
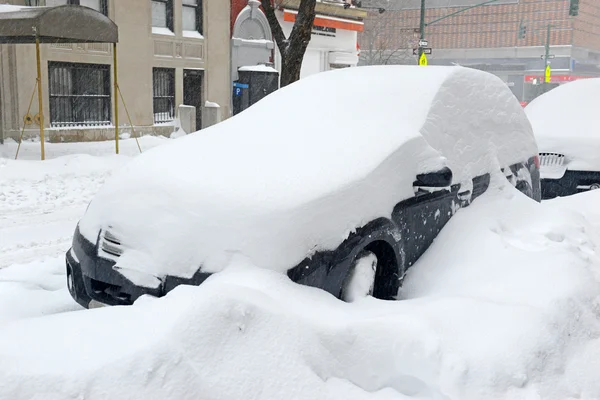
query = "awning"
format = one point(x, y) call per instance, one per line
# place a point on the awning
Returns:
point(62, 24)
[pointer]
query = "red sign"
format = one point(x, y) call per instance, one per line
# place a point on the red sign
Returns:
point(555, 78)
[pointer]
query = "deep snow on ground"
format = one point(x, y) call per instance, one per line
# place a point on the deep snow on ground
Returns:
point(505, 305)
point(40, 202)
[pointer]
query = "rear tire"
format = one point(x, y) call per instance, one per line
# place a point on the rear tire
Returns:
point(595, 186)
point(360, 281)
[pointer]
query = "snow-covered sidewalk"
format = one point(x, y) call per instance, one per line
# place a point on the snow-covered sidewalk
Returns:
point(505, 305)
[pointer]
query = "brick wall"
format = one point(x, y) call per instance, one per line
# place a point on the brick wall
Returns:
point(587, 25)
point(498, 25)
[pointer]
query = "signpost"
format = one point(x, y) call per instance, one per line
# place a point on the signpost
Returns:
point(426, 50)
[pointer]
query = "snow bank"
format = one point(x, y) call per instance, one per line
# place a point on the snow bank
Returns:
point(319, 169)
point(504, 305)
point(565, 120)
point(41, 201)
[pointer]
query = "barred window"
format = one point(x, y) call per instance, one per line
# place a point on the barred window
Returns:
point(163, 85)
point(79, 94)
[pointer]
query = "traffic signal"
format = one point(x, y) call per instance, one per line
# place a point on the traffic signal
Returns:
point(522, 30)
point(574, 8)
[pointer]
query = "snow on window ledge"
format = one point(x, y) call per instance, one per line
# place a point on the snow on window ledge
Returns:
point(192, 34)
point(162, 31)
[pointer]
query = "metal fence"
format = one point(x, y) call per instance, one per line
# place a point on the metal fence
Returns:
point(79, 94)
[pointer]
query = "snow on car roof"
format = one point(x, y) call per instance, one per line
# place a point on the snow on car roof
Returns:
point(565, 120)
point(306, 165)
point(570, 110)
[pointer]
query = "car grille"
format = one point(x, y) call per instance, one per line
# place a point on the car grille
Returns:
point(552, 159)
point(109, 246)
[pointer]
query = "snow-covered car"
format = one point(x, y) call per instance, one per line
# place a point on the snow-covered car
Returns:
point(341, 180)
point(566, 123)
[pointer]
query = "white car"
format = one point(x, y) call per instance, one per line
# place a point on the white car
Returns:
point(566, 123)
point(341, 180)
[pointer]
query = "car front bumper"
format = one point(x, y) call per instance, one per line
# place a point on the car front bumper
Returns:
point(92, 279)
point(570, 183)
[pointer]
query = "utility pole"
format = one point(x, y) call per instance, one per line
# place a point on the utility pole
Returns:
point(423, 24)
point(421, 29)
point(546, 57)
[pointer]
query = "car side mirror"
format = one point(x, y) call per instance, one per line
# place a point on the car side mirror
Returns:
point(437, 179)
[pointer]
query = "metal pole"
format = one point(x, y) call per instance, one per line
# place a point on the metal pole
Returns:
point(422, 30)
point(116, 96)
point(546, 56)
point(40, 97)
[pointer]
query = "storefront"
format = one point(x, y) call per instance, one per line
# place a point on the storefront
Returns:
point(333, 43)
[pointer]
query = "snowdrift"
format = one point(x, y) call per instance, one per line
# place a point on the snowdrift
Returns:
point(504, 305)
point(565, 120)
point(301, 169)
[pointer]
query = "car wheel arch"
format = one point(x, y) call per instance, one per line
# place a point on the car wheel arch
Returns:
point(382, 238)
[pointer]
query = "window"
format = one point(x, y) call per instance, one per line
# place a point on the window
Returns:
point(98, 5)
point(192, 15)
point(162, 14)
point(79, 94)
point(163, 87)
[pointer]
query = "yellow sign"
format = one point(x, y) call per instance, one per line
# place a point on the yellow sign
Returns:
point(423, 60)
point(548, 74)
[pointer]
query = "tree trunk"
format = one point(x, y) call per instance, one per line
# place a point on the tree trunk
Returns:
point(293, 48)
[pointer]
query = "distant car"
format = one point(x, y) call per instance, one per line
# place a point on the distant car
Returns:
point(342, 180)
point(566, 123)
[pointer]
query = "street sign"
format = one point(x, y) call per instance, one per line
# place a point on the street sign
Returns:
point(423, 43)
point(548, 74)
point(423, 60)
point(550, 56)
point(426, 50)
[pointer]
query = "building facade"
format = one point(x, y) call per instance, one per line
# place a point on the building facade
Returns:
point(334, 41)
point(170, 52)
point(507, 38)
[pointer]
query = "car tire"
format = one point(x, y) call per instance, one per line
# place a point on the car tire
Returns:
point(595, 186)
point(360, 281)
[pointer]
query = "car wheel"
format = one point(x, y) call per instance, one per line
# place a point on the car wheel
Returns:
point(360, 281)
point(595, 186)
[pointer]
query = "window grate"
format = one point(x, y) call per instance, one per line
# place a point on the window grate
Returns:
point(163, 87)
point(79, 94)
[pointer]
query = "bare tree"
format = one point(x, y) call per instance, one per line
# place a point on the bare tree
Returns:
point(386, 38)
point(292, 49)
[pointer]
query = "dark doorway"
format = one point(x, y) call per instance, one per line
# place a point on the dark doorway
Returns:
point(192, 92)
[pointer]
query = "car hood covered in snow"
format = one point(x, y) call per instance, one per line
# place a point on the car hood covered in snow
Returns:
point(565, 120)
point(301, 169)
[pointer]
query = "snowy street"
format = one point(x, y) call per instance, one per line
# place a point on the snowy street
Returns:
point(504, 305)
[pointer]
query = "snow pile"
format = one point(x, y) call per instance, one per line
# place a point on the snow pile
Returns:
point(276, 194)
point(565, 120)
point(41, 201)
point(33, 290)
point(504, 305)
